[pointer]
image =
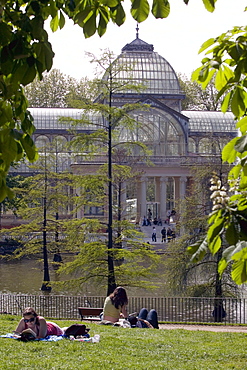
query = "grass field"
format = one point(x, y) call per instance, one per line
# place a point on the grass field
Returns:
point(121, 348)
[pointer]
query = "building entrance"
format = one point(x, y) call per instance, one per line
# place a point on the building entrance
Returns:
point(154, 207)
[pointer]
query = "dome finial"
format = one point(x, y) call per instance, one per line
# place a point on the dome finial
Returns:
point(137, 31)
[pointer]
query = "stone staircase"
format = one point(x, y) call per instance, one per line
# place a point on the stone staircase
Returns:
point(148, 230)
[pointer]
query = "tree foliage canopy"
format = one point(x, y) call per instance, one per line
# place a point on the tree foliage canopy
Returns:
point(57, 90)
point(197, 98)
point(226, 62)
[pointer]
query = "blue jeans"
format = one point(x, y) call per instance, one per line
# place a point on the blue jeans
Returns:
point(150, 316)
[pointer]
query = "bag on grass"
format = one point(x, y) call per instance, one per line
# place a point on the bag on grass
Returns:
point(77, 330)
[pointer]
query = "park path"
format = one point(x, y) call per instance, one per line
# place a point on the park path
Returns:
point(215, 328)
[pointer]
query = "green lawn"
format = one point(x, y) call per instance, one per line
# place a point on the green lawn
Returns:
point(121, 348)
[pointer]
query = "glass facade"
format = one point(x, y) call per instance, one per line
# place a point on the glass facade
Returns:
point(158, 130)
point(208, 121)
point(163, 128)
point(138, 64)
point(48, 119)
point(150, 70)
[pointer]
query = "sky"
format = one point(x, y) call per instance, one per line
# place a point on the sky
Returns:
point(177, 38)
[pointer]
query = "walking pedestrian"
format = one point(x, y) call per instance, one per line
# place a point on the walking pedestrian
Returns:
point(154, 235)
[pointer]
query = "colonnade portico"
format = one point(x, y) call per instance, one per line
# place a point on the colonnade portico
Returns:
point(161, 182)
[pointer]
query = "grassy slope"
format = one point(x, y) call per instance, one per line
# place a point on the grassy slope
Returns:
point(126, 349)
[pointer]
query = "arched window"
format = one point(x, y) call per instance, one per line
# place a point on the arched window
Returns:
point(205, 145)
point(158, 130)
point(192, 145)
point(42, 142)
point(59, 144)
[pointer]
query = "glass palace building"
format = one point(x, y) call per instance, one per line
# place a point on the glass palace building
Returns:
point(178, 140)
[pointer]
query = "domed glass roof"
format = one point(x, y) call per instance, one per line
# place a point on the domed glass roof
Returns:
point(147, 68)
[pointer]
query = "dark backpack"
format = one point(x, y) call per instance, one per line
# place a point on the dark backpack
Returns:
point(76, 330)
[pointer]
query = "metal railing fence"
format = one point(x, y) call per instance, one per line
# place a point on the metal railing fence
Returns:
point(170, 309)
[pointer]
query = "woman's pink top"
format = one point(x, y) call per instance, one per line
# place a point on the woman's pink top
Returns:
point(53, 329)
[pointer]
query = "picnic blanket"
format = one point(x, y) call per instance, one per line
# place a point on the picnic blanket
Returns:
point(49, 338)
point(55, 338)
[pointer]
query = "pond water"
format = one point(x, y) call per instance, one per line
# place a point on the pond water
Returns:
point(26, 277)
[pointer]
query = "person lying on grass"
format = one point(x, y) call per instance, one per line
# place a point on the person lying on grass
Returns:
point(37, 324)
point(145, 319)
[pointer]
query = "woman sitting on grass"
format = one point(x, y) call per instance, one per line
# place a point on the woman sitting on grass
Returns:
point(37, 324)
point(115, 305)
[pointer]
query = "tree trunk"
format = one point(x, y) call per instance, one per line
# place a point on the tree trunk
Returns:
point(218, 313)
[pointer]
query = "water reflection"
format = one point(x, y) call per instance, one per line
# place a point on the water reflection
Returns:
point(26, 277)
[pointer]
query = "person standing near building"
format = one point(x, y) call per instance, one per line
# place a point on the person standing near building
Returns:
point(144, 221)
point(154, 234)
point(149, 217)
point(163, 235)
point(169, 234)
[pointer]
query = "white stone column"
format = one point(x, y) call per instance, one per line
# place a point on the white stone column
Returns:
point(143, 196)
point(163, 196)
point(182, 188)
point(176, 190)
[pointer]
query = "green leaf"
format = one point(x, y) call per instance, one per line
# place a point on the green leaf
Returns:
point(222, 265)
point(110, 3)
point(231, 234)
point(237, 103)
point(215, 245)
point(226, 101)
point(161, 8)
point(209, 5)
point(195, 74)
point(29, 148)
point(82, 17)
point(6, 34)
point(208, 77)
point(6, 113)
point(240, 251)
point(45, 56)
point(89, 27)
point(198, 250)
point(3, 191)
point(226, 258)
point(103, 20)
point(29, 75)
point(229, 153)
point(239, 272)
point(235, 171)
point(241, 144)
point(242, 125)
point(215, 230)
point(213, 216)
point(54, 23)
point(61, 20)
point(118, 15)
point(206, 45)
point(222, 77)
point(140, 10)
